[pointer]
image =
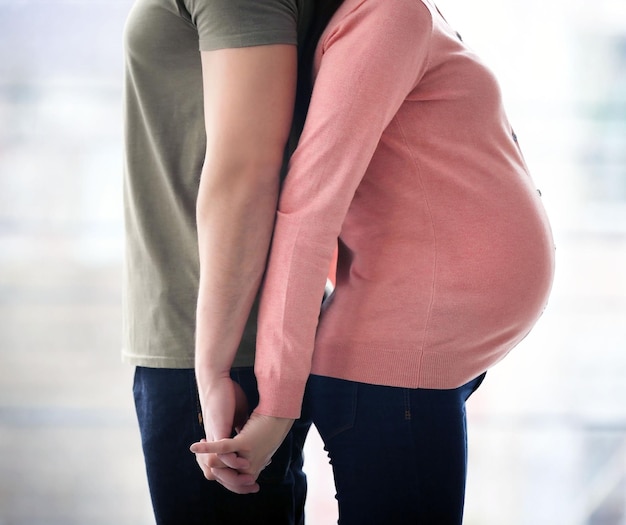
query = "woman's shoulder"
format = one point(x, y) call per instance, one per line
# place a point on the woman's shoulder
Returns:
point(414, 15)
point(398, 7)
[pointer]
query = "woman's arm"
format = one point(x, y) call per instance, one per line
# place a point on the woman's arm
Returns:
point(373, 55)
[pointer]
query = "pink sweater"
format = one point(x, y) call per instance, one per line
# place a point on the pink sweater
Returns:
point(445, 253)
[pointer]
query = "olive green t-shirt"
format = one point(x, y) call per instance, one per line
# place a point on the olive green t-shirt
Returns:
point(164, 153)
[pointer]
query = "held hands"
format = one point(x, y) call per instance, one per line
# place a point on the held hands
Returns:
point(224, 409)
point(245, 455)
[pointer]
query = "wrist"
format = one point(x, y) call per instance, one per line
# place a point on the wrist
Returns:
point(281, 424)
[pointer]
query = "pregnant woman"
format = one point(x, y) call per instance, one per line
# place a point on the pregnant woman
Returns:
point(445, 263)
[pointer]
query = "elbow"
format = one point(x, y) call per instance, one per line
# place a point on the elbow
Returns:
point(262, 170)
point(251, 179)
point(246, 167)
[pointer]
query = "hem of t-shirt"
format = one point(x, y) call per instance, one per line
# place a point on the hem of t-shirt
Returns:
point(157, 361)
point(252, 39)
point(175, 362)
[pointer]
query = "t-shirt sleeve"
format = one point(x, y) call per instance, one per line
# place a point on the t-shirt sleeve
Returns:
point(242, 23)
point(372, 58)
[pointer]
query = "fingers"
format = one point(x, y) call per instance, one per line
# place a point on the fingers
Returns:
point(223, 461)
point(228, 469)
point(204, 466)
point(223, 446)
point(231, 479)
point(237, 482)
point(232, 461)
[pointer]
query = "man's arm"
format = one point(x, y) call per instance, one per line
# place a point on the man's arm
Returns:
point(248, 98)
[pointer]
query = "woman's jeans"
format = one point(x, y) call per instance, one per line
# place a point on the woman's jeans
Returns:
point(399, 455)
point(168, 409)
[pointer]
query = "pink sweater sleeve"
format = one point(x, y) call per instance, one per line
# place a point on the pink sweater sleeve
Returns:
point(372, 55)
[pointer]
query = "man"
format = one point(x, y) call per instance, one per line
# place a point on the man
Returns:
point(210, 91)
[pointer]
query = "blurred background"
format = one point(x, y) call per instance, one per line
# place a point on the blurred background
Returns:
point(548, 427)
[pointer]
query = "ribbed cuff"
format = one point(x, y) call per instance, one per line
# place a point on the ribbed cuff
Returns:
point(280, 398)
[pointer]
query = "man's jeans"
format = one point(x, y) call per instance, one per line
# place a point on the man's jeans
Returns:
point(399, 455)
point(168, 409)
